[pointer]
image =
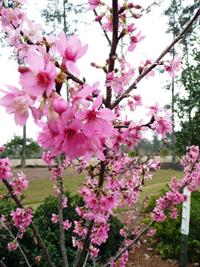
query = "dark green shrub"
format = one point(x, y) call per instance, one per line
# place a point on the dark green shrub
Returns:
point(50, 234)
point(167, 239)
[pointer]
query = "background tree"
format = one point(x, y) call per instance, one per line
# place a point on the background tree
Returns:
point(14, 148)
point(173, 13)
point(188, 107)
point(185, 100)
point(61, 15)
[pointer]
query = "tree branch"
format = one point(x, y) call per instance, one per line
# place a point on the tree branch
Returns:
point(69, 74)
point(62, 233)
point(112, 56)
point(32, 226)
point(130, 245)
point(86, 243)
point(153, 65)
point(104, 31)
point(14, 238)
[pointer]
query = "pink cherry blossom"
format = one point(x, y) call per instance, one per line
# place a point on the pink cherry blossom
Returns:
point(47, 137)
point(19, 184)
point(12, 246)
point(5, 170)
point(100, 234)
point(64, 202)
point(93, 251)
point(135, 102)
point(17, 102)
point(131, 28)
point(11, 17)
point(72, 139)
point(22, 218)
point(153, 110)
point(94, 3)
point(66, 225)
point(123, 259)
point(97, 120)
point(174, 214)
point(71, 50)
point(173, 67)
point(135, 39)
point(39, 77)
point(59, 105)
point(162, 125)
point(151, 232)
point(107, 25)
point(48, 157)
point(54, 218)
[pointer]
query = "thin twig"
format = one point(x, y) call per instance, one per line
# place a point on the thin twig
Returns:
point(86, 258)
point(69, 74)
point(14, 238)
point(148, 124)
point(104, 31)
point(36, 233)
point(60, 214)
point(130, 244)
point(153, 65)
point(86, 243)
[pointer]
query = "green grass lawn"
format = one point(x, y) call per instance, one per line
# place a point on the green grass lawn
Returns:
point(40, 188)
point(160, 180)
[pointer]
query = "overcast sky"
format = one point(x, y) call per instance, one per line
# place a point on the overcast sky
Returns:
point(153, 26)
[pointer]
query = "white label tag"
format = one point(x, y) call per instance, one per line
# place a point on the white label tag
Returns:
point(186, 213)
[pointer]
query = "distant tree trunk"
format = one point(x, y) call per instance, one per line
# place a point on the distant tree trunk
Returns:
point(64, 16)
point(23, 155)
point(173, 94)
point(173, 125)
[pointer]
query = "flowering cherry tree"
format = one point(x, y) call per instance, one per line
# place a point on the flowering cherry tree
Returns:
point(87, 129)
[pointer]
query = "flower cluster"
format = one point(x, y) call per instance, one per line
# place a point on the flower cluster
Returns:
point(191, 180)
point(22, 218)
point(5, 171)
point(48, 157)
point(19, 184)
